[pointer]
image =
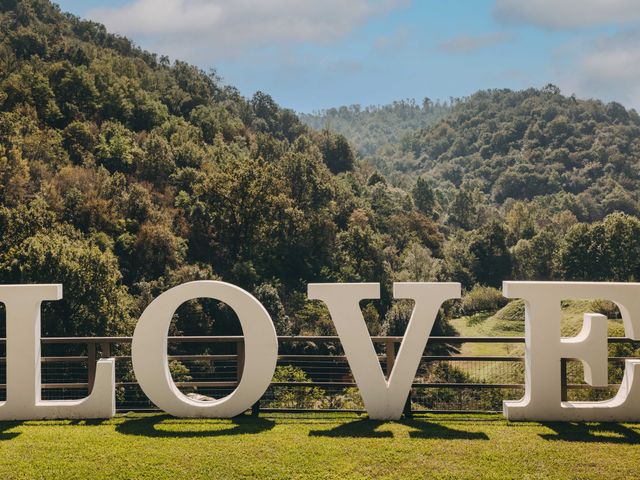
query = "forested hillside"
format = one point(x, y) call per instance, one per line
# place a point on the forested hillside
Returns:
point(510, 145)
point(524, 184)
point(532, 143)
point(377, 132)
point(123, 174)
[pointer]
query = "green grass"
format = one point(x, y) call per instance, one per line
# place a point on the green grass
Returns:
point(509, 321)
point(316, 446)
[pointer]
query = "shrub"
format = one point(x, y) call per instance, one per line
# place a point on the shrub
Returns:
point(482, 299)
point(294, 397)
point(606, 308)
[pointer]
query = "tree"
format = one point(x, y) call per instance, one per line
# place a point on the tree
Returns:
point(360, 255)
point(607, 250)
point(269, 297)
point(575, 256)
point(94, 303)
point(459, 262)
point(419, 266)
point(534, 259)
point(157, 163)
point(14, 176)
point(79, 139)
point(463, 209)
point(424, 197)
point(155, 250)
point(336, 152)
point(117, 149)
point(622, 246)
point(492, 259)
point(520, 222)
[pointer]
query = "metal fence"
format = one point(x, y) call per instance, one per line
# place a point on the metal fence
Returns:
point(313, 373)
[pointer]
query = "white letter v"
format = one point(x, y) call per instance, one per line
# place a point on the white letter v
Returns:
point(384, 400)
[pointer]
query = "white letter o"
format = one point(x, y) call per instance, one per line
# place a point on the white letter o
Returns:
point(150, 358)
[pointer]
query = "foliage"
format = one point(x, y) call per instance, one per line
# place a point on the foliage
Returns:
point(482, 299)
point(294, 397)
point(122, 174)
point(532, 143)
point(95, 301)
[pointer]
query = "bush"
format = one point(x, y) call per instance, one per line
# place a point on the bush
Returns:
point(512, 311)
point(294, 397)
point(482, 299)
point(606, 308)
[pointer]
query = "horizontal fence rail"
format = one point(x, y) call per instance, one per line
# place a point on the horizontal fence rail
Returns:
point(313, 373)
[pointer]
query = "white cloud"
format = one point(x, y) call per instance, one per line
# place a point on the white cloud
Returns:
point(470, 44)
point(608, 69)
point(226, 27)
point(568, 14)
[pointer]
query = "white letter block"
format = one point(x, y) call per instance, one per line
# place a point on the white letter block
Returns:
point(22, 304)
point(544, 348)
point(384, 400)
point(150, 359)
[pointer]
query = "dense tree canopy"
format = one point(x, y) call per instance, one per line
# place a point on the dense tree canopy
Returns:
point(527, 185)
point(123, 174)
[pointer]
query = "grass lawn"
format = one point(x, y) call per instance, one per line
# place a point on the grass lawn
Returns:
point(317, 446)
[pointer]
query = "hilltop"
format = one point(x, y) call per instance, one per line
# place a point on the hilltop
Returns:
point(509, 145)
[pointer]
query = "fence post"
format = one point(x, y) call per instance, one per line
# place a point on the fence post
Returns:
point(407, 407)
point(105, 347)
point(239, 360)
point(91, 366)
point(563, 379)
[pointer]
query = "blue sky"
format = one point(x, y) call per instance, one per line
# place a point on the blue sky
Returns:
point(311, 54)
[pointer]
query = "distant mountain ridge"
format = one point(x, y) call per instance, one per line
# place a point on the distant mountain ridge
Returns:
point(371, 128)
point(514, 145)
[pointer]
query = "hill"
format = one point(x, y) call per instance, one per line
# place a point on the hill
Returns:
point(537, 143)
point(377, 132)
point(122, 174)
point(534, 144)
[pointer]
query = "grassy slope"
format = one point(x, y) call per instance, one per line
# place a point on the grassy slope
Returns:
point(505, 323)
point(484, 324)
point(321, 446)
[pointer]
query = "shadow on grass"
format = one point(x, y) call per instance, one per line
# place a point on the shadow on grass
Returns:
point(147, 427)
point(591, 432)
point(425, 429)
point(364, 428)
point(368, 429)
point(4, 426)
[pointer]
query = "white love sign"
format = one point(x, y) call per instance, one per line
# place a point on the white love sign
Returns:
point(384, 398)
